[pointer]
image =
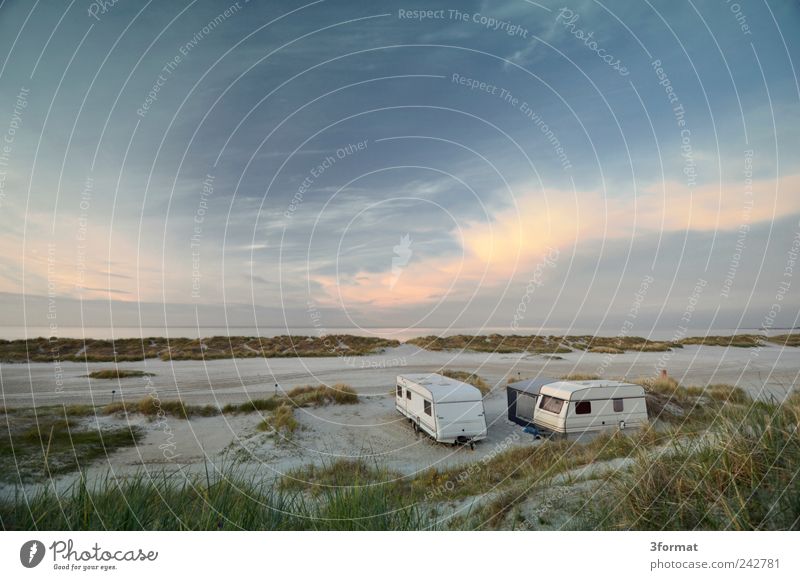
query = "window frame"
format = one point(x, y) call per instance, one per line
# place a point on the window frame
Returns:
point(408, 394)
point(545, 399)
point(621, 403)
point(427, 407)
point(399, 392)
point(580, 405)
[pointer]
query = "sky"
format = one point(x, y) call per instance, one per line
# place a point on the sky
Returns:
point(585, 165)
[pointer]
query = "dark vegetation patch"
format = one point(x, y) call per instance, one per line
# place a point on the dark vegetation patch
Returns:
point(492, 343)
point(595, 344)
point(744, 476)
point(118, 374)
point(38, 445)
point(229, 501)
point(321, 395)
point(343, 473)
point(469, 378)
point(216, 347)
point(281, 421)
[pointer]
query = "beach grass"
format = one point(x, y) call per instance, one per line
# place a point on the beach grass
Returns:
point(252, 406)
point(52, 349)
point(321, 395)
point(469, 378)
point(741, 473)
point(744, 475)
point(224, 500)
point(281, 421)
point(118, 374)
point(37, 446)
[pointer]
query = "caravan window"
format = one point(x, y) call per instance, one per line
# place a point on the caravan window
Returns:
point(427, 407)
point(399, 391)
point(551, 404)
point(618, 405)
point(408, 394)
point(583, 407)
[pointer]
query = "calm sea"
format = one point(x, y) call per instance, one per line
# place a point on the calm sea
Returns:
point(18, 332)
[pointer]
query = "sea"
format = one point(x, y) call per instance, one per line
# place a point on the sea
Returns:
point(396, 333)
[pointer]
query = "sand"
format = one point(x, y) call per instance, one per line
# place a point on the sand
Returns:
point(372, 428)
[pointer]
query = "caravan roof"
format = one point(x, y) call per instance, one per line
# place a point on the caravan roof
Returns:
point(444, 389)
point(597, 389)
point(531, 386)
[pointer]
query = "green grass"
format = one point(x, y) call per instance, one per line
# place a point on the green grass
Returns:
point(597, 344)
point(786, 339)
point(736, 340)
point(338, 394)
point(531, 464)
point(579, 377)
point(469, 378)
point(281, 422)
point(44, 349)
point(152, 407)
point(606, 350)
point(746, 476)
point(118, 374)
point(42, 445)
point(343, 473)
point(221, 501)
point(252, 406)
point(492, 343)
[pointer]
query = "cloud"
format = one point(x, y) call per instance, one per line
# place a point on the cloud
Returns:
point(515, 239)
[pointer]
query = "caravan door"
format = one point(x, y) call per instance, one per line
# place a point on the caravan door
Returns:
point(400, 400)
point(525, 406)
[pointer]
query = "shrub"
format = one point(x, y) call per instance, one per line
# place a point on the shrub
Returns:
point(338, 394)
point(342, 473)
point(118, 374)
point(469, 378)
point(231, 500)
point(742, 477)
point(579, 377)
point(151, 406)
point(606, 350)
point(728, 394)
point(281, 421)
point(253, 405)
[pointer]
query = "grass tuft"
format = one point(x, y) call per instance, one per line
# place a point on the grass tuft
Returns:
point(118, 374)
point(338, 394)
point(228, 501)
point(281, 421)
point(469, 378)
point(743, 476)
point(579, 377)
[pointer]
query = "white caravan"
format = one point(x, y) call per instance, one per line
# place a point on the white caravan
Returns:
point(446, 409)
point(580, 406)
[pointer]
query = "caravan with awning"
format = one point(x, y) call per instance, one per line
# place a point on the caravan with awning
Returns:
point(581, 406)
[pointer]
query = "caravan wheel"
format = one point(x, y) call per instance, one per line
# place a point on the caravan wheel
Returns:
point(416, 428)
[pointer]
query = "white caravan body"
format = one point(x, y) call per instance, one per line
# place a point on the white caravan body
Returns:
point(446, 409)
point(581, 406)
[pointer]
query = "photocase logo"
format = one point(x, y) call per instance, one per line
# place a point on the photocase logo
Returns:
point(31, 553)
point(402, 254)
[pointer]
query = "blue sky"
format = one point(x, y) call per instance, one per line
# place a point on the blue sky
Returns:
point(488, 135)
